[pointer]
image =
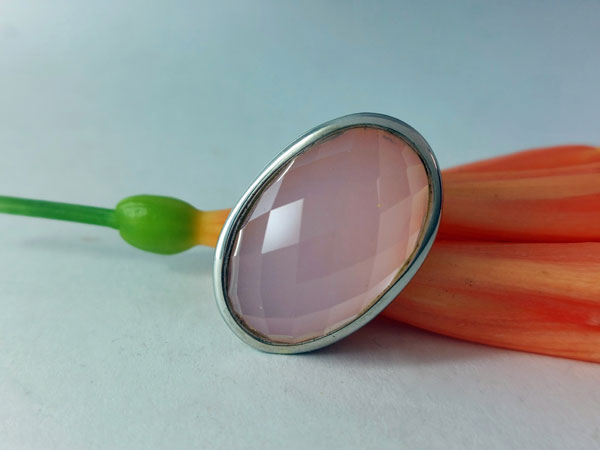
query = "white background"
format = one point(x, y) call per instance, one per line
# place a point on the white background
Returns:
point(104, 346)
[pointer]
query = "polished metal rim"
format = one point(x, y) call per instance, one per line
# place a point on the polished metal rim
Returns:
point(246, 203)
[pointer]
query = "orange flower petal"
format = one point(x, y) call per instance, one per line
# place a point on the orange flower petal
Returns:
point(541, 298)
point(540, 158)
point(536, 297)
point(540, 205)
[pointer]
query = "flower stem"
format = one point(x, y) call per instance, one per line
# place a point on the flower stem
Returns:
point(59, 211)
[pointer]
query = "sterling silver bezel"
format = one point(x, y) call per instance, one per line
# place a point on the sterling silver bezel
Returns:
point(245, 204)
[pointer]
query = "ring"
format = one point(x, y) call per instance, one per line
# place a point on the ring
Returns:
point(328, 234)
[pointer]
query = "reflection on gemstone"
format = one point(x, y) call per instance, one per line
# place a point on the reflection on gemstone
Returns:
point(283, 226)
point(328, 236)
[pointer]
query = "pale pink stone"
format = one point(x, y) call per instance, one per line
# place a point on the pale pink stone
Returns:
point(328, 236)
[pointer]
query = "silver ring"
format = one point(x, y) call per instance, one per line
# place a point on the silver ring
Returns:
point(249, 199)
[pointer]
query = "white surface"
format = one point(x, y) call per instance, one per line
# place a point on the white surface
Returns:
point(103, 346)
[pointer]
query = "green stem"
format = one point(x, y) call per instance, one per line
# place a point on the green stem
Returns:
point(60, 211)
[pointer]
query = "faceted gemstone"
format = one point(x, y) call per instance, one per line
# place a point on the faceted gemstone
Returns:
point(328, 236)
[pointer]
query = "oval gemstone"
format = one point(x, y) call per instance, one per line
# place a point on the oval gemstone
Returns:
point(333, 230)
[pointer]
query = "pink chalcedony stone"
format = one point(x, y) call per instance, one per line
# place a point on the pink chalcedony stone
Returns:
point(328, 236)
